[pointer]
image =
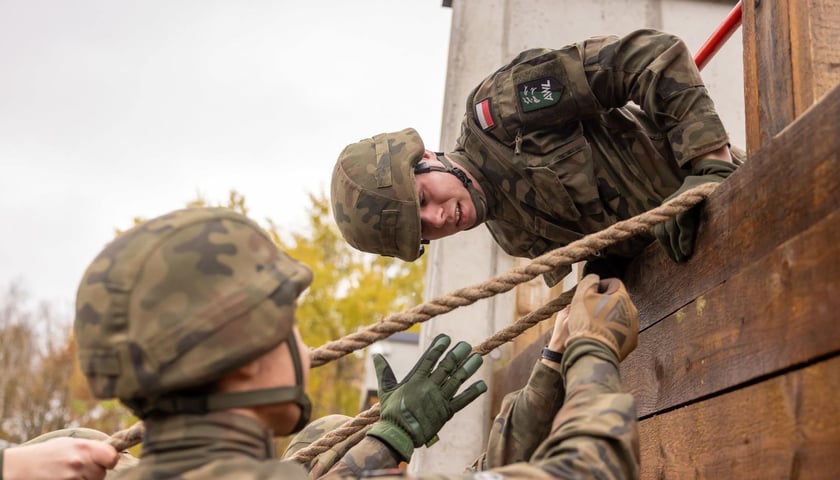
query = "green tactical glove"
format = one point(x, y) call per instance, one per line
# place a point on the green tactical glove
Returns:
point(601, 310)
point(677, 234)
point(414, 410)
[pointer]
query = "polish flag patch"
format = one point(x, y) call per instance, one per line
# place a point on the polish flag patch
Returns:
point(483, 115)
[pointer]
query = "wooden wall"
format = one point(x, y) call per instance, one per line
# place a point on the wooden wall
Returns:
point(791, 59)
point(737, 373)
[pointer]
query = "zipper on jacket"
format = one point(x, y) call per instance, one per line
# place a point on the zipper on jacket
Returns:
point(517, 146)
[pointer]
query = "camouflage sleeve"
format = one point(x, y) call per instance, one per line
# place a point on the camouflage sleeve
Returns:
point(656, 71)
point(594, 435)
point(367, 455)
point(347, 458)
point(524, 420)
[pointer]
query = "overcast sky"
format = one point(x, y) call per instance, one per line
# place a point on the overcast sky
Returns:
point(116, 109)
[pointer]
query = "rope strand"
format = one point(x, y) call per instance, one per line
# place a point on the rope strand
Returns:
point(574, 252)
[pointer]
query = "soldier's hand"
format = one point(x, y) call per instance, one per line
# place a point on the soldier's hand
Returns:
point(60, 458)
point(677, 234)
point(415, 409)
point(560, 333)
point(601, 310)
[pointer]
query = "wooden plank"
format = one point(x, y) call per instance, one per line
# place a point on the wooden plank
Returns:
point(514, 375)
point(815, 59)
point(782, 190)
point(785, 427)
point(751, 92)
point(775, 78)
point(802, 59)
point(777, 312)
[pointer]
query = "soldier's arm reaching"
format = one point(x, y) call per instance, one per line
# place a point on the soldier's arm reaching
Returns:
point(594, 435)
point(525, 417)
point(413, 410)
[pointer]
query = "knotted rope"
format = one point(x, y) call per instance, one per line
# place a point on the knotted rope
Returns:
point(574, 252)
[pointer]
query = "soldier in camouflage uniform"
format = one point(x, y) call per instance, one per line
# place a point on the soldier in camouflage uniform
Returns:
point(571, 420)
point(188, 319)
point(551, 149)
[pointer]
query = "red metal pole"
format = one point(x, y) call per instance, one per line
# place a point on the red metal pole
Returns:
point(719, 37)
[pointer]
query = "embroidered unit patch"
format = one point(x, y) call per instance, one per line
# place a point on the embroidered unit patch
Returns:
point(483, 115)
point(540, 93)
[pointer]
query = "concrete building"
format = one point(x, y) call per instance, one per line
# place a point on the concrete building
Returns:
point(401, 350)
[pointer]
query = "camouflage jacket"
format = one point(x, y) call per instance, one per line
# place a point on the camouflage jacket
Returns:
point(542, 432)
point(560, 151)
point(224, 445)
point(216, 445)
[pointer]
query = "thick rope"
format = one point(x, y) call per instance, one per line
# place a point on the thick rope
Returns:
point(574, 252)
point(125, 439)
point(371, 415)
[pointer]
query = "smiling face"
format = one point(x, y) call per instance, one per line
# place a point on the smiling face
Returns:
point(445, 204)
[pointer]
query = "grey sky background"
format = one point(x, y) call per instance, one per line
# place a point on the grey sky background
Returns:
point(116, 109)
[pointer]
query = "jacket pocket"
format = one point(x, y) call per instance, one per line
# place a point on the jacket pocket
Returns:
point(564, 181)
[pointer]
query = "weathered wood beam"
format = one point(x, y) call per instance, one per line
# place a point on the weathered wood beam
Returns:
point(815, 58)
point(777, 312)
point(784, 427)
point(768, 80)
point(791, 60)
point(782, 190)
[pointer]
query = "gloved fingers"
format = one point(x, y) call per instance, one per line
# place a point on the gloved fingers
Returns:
point(460, 375)
point(667, 233)
point(660, 231)
point(467, 396)
point(687, 223)
point(384, 373)
point(450, 362)
point(430, 357)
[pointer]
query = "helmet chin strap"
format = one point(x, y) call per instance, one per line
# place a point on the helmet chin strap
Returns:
point(200, 404)
point(475, 195)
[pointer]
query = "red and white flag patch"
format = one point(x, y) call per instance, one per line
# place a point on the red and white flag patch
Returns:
point(483, 115)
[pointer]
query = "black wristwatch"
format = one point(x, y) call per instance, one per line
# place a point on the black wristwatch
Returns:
point(552, 355)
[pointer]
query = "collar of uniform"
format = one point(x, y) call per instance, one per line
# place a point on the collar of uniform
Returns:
point(195, 438)
point(461, 158)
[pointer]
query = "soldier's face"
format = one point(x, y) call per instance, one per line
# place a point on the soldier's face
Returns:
point(276, 369)
point(445, 205)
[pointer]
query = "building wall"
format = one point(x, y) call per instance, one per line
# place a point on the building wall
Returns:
point(484, 36)
point(400, 350)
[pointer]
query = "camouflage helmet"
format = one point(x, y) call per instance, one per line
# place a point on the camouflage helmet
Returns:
point(177, 301)
point(374, 197)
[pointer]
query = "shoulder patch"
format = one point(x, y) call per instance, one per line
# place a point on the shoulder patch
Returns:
point(484, 115)
point(540, 93)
